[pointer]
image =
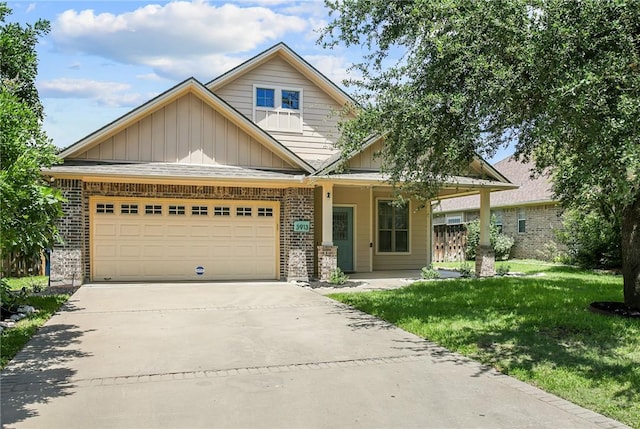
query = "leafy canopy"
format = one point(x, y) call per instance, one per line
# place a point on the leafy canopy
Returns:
point(30, 206)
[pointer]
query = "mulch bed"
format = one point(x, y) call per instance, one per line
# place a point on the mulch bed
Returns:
point(614, 309)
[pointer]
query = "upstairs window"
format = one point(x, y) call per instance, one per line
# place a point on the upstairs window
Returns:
point(265, 97)
point(277, 108)
point(290, 99)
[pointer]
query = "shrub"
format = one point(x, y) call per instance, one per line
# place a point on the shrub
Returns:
point(503, 270)
point(428, 273)
point(338, 277)
point(592, 240)
point(501, 243)
point(466, 270)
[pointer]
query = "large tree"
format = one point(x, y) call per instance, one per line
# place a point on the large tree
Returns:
point(30, 207)
point(559, 79)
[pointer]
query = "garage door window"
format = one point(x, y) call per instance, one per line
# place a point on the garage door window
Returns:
point(199, 210)
point(128, 209)
point(152, 209)
point(265, 212)
point(176, 210)
point(104, 208)
point(221, 211)
point(243, 211)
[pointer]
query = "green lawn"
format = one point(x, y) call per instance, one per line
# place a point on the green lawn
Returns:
point(15, 338)
point(536, 328)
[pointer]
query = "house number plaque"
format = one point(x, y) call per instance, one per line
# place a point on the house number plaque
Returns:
point(301, 226)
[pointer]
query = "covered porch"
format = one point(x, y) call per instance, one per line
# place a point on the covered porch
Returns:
point(360, 229)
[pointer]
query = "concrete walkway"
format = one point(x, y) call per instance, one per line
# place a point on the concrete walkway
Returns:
point(253, 355)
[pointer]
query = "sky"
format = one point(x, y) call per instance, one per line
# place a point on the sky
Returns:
point(104, 58)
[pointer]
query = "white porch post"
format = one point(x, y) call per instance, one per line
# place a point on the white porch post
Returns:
point(327, 214)
point(327, 252)
point(485, 217)
point(429, 235)
point(485, 256)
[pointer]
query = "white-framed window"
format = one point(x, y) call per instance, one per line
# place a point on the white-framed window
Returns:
point(522, 221)
point(128, 209)
point(176, 210)
point(199, 210)
point(454, 219)
point(221, 211)
point(243, 211)
point(439, 219)
point(265, 212)
point(497, 216)
point(277, 108)
point(393, 227)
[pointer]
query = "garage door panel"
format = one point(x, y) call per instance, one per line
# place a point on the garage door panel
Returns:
point(129, 251)
point(106, 230)
point(170, 247)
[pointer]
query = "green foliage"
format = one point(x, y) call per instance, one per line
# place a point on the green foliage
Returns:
point(338, 277)
point(502, 270)
point(592, 240)
point(466, 270)
point(428, 273)
point(558, 79)
point(501, 243)
point(535, 329)
point(30, 206)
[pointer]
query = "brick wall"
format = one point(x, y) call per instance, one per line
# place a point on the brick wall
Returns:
point(67, 258)
point(296, 250)
point(541, 223)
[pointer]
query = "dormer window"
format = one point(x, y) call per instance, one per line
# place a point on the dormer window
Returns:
point(277, 108)
point(265, 97)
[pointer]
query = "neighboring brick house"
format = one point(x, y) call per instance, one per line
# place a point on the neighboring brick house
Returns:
point(237, 179)
point(529, 214)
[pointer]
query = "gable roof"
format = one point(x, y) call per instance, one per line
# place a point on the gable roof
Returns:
point(331, 164)
point(530, 191)
point(194, 86)
point(295, 60)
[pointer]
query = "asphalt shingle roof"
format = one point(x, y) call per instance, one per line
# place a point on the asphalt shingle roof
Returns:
point(530, 191)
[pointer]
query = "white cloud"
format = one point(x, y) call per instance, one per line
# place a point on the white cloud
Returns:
point(110, 94)
point(333, 67)
point(30, 8)
point(175, 37)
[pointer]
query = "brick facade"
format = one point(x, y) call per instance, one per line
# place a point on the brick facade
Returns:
point(541, 222)
point(73, 258)
point(327, 261)
point(67, 257)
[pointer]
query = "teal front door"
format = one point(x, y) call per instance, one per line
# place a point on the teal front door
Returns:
point(343, 236)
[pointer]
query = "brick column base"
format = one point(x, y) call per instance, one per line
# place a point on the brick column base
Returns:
point(485, 261)
point(327, 261)
point(297, 266)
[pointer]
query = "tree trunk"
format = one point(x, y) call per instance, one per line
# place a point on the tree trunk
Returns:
point(631, 254)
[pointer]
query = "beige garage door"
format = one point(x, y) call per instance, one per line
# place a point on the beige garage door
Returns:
point(150, 239)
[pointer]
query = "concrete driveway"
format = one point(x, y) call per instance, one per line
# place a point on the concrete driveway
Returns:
point(253, 355)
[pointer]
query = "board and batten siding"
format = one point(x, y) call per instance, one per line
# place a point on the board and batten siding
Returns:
point(367, 159)
point(320, 113)
point(187, 131)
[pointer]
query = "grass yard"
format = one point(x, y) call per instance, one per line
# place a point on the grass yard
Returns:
point(14, 339)
point(536, 329)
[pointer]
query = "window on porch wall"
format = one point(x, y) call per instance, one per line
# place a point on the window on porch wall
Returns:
point(393, 227)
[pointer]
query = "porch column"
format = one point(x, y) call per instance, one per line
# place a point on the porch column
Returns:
point(327, 214)
point(429, 234)
point(327, 252)
point(485, 255)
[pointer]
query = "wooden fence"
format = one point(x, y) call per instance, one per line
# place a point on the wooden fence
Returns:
point(449, 242)
point(19, 265)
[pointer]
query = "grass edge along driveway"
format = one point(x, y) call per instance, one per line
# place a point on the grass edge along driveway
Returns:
point(535, 328)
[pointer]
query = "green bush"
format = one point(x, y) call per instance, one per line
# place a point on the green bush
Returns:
point(502, 270)
point(592, 240)
point(428, 273)
point(501, 243)
point(338, 277)
point(466, 270)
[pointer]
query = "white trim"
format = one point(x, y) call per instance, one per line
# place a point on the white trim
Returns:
point(354, 243)
point(377, 230)
point(277, 106)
